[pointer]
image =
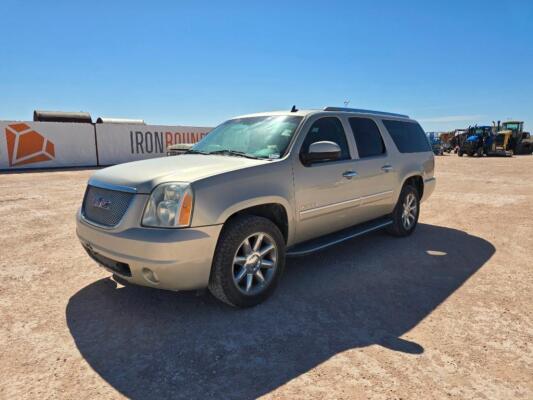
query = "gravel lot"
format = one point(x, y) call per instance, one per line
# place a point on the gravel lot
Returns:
point(444, 313)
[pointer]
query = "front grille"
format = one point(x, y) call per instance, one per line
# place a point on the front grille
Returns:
point(105, 207)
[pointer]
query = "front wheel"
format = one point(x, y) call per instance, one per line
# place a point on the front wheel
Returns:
point(248, 261)
point(405, 214)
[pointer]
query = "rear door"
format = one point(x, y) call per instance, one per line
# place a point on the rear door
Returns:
point(376, 172)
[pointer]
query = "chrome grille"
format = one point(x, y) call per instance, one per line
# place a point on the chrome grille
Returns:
point(105, 207)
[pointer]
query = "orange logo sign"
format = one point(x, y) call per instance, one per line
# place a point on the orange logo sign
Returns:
point(26, 146)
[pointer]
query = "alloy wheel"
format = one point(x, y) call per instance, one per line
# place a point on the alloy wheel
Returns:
point(255, 263)
point(410, 211)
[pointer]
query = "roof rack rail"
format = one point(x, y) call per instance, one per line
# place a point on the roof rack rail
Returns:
point(359, 110)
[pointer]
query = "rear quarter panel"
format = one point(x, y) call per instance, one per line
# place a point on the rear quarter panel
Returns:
point(416, 164)
point(407, 165)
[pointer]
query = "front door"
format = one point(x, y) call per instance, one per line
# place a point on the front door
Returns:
point(325, 192)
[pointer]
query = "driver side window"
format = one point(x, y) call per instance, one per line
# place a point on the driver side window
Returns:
point(327, 129)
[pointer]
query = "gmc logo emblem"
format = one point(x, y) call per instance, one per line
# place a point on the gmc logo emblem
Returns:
point(100, 202)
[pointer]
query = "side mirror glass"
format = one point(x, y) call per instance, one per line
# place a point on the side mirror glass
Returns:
point(321, 151)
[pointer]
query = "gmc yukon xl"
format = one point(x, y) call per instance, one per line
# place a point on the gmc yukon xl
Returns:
point(256, 189)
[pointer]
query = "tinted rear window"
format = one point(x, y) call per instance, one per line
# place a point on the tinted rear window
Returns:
point(367, 137)
point(409, 137)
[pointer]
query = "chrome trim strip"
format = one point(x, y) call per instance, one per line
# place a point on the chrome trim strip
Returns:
point(110, 186)
point(329, 206)
point(345, 202)
point(325, 245)
point(375, 195)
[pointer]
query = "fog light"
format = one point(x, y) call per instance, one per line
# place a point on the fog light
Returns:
point(150, 276)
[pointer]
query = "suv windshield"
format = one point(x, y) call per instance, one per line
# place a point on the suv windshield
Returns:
point(260, 137)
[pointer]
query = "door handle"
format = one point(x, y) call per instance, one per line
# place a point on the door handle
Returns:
point(387, 168)
point(349, 174)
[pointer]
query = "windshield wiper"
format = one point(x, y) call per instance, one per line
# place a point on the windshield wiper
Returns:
point(234, 153)
point(192, 151)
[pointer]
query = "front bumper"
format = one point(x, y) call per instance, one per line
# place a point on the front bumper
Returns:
point(173, 259)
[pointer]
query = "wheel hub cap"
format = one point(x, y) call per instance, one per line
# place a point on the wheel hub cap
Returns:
point(253, 262)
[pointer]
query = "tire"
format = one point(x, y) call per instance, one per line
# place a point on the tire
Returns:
point(479, 152)
point(460, 153)
point(398, 228)
point(234, 262)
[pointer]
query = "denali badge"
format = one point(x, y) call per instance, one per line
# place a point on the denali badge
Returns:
point(100, 202)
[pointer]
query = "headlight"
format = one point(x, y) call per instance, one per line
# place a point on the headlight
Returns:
point(169, 206)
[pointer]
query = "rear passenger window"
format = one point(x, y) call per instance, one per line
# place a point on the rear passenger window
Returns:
point(367, 137)
point(327, 129)
point(409, 137)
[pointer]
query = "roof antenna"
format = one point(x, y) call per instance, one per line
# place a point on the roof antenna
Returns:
point(294, 109)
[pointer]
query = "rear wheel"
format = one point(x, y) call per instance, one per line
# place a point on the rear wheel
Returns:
point(248, 262)
point(405, 214)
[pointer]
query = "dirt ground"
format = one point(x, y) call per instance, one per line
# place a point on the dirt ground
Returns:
point(444, 313)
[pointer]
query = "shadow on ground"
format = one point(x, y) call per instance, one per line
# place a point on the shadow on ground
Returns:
point(155, 344)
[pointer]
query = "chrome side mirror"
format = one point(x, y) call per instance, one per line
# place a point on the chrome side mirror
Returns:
point(321, 151)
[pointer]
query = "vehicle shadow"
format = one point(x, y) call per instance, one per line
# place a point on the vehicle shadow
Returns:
point(156, 344)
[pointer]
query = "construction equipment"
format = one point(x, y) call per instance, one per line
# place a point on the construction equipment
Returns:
point(499, 145)
point(446, 140)
point(475, 143)
point(459, 136)
point(436, 143)
point(482, 140)
point(520, 142)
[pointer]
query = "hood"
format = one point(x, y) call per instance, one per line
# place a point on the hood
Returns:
point(146, 174)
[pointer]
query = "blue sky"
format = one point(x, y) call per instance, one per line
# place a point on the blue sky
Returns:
point(447, 63)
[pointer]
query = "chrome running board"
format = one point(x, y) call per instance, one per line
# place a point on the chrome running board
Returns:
point(311, 246)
